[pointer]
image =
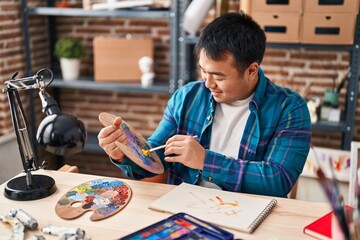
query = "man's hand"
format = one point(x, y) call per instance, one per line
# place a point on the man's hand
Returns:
point(187, 150)
point(107, 137)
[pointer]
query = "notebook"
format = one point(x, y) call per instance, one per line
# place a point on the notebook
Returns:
point(321, 228)
point(227, 209)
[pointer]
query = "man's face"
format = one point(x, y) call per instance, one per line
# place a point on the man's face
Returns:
point(224, 81)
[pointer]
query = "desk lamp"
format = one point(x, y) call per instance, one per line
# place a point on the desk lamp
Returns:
point(58, 133)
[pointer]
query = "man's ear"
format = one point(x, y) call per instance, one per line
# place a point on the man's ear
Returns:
point(252, 71)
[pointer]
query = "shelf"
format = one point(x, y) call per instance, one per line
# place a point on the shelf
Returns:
point(308, 46)
point(194, 40)
point(329, 126)
point(90, 84)
point(79, 12)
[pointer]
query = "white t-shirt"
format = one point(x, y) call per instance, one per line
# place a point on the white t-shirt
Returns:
point(228, 127)
point(227, 130)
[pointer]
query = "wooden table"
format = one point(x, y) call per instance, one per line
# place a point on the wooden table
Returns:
point(285, 222)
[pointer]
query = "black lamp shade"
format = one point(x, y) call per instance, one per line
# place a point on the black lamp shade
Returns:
point(61, 134)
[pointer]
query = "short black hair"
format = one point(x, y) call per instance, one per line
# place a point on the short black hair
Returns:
point(236, 33)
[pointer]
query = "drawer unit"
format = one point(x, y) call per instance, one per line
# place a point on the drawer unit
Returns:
point(331, 6)
point(277, 6)
point(328, 28)
point(279, 27)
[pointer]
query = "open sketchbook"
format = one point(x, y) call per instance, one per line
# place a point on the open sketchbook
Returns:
point(232, 210)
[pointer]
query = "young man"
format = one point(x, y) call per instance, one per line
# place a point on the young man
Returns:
point(252, 136)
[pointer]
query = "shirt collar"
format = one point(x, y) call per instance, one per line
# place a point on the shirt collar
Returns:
point(259, 95)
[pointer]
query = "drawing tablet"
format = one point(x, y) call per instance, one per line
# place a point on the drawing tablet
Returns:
point(104, 197)
point(135, 144)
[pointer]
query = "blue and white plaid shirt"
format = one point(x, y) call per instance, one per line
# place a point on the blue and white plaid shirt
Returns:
point(272, 152)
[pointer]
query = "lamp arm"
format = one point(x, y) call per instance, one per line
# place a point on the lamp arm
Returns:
point(19, 121)
point(49, 105)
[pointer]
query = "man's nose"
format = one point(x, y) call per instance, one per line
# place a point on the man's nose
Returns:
point(209, 81)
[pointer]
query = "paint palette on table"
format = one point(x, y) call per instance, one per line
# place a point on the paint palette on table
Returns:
point(104, 197)
point(135, 145)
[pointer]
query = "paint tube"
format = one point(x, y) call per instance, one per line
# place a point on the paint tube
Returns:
point(18, 228)
point(37, 237)
point(63, 231)
point(25, 218)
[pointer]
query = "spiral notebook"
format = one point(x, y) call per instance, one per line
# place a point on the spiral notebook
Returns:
point(236, 211)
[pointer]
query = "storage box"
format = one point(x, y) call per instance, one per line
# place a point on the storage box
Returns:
point(277, 6)
point(116, 59)
point(328, 28)
point(331, 6)
point(279, 27)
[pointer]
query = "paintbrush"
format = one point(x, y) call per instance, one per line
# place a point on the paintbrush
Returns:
point(345, 78)
point(332, 191)
point(147, 152)
point(339, 207)
point(356, 212)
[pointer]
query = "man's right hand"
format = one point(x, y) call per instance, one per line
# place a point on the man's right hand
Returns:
point(107, 138)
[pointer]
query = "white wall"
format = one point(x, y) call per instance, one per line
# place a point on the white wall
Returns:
point(10, 161)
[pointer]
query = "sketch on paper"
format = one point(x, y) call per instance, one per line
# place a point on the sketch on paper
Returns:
point(237, 211)
point(214, 204)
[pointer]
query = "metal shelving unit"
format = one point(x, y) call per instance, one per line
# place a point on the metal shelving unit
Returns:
point(51, 13)
point(187, 66)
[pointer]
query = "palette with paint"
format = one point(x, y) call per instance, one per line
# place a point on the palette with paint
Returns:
point(104, 197)
point(135, 146)
point(181, 226)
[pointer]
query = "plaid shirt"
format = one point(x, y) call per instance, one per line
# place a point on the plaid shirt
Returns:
point(272, 152)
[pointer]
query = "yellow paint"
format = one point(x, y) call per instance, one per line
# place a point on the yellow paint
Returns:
point(145, 152)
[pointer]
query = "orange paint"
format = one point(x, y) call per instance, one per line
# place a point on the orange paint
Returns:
point(221, 202)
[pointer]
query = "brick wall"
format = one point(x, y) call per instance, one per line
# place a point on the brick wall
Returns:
point(11, 58)
point(293, 68)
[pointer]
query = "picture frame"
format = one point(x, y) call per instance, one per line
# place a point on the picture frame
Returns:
point(354, 171)
point(340, 160)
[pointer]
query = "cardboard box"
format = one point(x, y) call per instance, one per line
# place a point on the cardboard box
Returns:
point(331, 6)
point(288, 6)
point(279, 27)
point(328, 28)
point(116, 59)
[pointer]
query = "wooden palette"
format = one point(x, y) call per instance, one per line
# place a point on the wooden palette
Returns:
point(104, 197)
point(136, 142)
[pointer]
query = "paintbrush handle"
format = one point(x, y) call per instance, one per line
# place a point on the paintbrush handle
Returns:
point(157, 148)
point(163, 146)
